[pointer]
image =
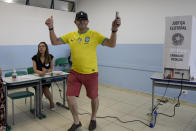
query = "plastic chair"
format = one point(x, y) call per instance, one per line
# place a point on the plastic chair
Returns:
point(62, 62)
point(30, 70)
point(19, 73)
point(19, 95)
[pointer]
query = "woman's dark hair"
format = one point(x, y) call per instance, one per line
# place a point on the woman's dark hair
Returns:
point(46, 55)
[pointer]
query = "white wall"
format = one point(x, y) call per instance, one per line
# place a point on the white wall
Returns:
point(143, 21)
point(25, 25)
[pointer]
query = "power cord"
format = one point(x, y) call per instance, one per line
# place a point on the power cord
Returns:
point(59, 90)
point(155, 113)
point(161, 100)
point(178, 103)
point(117, 118)
point(180, 92)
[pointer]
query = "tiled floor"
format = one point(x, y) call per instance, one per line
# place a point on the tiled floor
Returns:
point(127, 106)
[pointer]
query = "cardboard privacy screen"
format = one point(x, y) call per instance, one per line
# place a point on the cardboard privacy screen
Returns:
point(179, 58)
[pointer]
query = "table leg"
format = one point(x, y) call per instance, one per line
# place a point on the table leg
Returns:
point(154, 112)
point(64, 97)
point(6, 106)
point(41, 115)
point(37, 101)
point(8, 127)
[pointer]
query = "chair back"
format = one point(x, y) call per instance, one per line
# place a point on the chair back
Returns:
point(19, 73)
point(61, 61)
point(30, 70)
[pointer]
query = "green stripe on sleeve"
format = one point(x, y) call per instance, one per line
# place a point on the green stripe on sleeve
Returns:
point(62, 40)
point(103, 41)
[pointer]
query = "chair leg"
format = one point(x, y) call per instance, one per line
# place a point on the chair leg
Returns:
point(30, 103)
point(26, 98)
point(13, 111)
point(35, 109)
point(42, 103)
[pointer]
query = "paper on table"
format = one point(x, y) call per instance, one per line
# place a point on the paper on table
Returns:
point(20, 78)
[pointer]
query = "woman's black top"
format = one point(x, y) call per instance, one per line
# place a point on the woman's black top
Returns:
point(41, 65)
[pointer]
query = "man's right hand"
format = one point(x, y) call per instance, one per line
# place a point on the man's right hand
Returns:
point(49, 22)
point(53, 38)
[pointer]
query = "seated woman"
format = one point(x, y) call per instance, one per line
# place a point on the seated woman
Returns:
point(43, 63)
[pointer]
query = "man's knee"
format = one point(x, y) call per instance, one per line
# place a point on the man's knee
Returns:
point(93, 99)
point(70, 99)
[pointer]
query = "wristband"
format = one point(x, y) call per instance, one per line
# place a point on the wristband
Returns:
point(113, 31)
point(51, 28)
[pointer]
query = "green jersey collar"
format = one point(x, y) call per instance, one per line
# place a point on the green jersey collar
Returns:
point(84, 32)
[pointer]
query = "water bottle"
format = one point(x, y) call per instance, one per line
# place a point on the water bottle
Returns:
point(14, 74)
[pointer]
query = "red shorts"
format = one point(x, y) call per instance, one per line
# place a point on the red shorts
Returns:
point(75, 81)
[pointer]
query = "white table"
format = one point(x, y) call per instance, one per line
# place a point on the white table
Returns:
point(37, 81)
point(22, 82)
point(53, 77)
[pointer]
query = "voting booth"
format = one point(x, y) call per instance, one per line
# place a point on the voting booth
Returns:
point(179, 58)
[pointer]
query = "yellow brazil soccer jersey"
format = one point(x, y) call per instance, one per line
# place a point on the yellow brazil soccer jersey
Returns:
point(83, 50)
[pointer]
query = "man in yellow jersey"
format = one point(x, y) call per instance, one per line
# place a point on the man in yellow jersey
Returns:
point(83, 44)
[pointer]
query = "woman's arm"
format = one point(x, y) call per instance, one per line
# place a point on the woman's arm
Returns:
point(35, 69)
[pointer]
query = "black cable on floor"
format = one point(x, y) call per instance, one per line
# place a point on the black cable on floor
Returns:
point(169, 115)
point(177, 104)
point(117, 119)
point(160, 100)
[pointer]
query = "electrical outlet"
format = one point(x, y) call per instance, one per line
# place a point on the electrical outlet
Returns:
point(184, 92)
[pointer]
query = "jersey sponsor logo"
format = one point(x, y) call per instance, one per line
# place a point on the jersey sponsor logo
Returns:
point(79, 39)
